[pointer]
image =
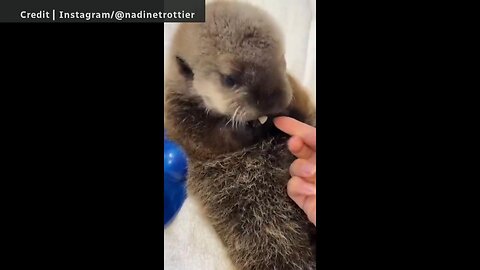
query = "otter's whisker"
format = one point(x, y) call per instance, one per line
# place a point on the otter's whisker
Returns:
point(242, 117)
point(234, 114)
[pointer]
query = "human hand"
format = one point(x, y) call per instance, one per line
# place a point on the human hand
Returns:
point(302, 186)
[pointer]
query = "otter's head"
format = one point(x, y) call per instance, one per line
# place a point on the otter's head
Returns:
point(234, 62)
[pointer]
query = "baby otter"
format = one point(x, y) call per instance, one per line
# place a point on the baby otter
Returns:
point(226, 82)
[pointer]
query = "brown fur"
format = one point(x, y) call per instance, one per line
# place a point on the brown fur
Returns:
point(239, 173)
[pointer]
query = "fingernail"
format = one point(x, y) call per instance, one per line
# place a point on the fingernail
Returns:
point(309, 169)
point(312, 190)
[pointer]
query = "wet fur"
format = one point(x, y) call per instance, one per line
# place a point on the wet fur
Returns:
point(240, 174)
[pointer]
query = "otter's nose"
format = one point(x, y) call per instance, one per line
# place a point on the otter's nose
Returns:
point(273, 103)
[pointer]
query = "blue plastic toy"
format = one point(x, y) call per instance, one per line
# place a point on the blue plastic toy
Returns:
point(175, 173)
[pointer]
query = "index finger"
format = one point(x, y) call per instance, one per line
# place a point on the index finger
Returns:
point(294, 127)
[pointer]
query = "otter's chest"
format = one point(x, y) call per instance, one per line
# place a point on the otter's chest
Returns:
point(266, 163)
point(255, 176)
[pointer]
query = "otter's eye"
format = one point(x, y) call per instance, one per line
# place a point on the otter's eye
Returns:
point(229, 81)
point(185, 70)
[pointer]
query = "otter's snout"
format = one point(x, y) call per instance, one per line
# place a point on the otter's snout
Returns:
point(271, 102)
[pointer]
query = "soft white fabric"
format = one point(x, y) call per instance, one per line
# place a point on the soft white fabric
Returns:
point(190, 242)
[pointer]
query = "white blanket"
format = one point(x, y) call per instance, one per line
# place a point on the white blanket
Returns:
point(190, 242)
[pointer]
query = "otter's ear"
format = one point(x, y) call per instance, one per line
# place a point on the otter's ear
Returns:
point(184, 68)
point(301, 107)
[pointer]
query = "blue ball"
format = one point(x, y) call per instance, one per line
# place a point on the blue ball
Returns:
point(175, 173)
point(174, 161)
